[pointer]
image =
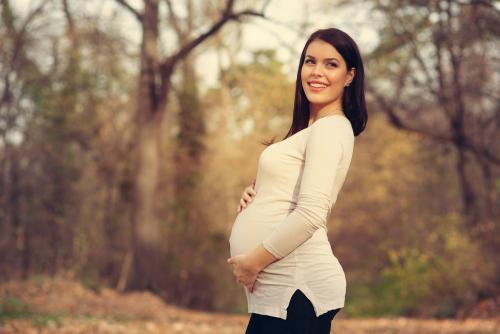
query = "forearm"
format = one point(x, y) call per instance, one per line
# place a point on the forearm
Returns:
point(297, 228)
point(260, 258)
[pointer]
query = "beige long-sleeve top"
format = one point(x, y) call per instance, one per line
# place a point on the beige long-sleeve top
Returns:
point(298, 181)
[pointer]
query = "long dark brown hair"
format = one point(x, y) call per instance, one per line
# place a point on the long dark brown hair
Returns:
point(353, 98)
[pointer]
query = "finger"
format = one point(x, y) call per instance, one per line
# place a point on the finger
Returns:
point(247, 198)
point(243, 203)
point(250, 192)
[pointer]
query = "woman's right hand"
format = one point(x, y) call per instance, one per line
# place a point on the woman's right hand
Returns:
point(247, 196)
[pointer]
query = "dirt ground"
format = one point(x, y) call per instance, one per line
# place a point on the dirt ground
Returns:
point(62, 306)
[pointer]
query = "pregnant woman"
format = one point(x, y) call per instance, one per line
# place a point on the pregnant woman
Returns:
point(279, 246)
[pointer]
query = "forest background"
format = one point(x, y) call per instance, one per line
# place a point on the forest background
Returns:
point(129, 129)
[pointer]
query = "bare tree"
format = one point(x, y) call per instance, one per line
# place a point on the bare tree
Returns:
point(153, 92)
point(440, 84)
point(16, 66)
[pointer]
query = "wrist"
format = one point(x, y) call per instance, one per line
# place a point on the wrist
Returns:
point(254, 262)
point(260, 258)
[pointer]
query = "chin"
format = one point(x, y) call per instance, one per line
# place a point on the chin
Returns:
point(318, 100)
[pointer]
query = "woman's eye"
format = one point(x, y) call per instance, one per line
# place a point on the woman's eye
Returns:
point(309, 61)
point(332, 65)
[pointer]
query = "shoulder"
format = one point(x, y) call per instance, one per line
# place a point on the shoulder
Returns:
point(333, 126)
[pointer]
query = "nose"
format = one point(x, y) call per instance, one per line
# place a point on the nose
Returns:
point(317, 70)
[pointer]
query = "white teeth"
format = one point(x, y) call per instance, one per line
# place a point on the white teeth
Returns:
point(317, 85)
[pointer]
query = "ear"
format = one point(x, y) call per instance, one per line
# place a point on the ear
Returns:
point(350, 76)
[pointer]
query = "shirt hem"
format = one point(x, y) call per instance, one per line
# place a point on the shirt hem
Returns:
point(278, 312)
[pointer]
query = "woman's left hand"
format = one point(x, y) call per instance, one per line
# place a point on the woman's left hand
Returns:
point(244, 270)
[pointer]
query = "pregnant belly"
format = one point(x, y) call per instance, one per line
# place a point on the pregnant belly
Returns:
point(252, 226)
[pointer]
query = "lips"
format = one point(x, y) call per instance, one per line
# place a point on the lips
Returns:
point(316, 85)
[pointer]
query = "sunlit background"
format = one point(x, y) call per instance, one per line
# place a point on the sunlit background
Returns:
point(127, 139)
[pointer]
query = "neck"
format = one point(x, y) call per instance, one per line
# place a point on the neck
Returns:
point(321, 110)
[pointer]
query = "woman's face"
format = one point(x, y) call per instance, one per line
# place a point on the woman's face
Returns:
point(324, 74)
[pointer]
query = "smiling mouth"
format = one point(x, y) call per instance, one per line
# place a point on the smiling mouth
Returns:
point(317, 85)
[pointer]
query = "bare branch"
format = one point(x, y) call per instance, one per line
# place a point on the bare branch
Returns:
point(67, 13)
point(398, 122)
point(173, 19)
point(198, 40)
point(131, 9)
point(227, 15)
point(418, 56)
point(31, 16)
point(229, 8)
point(17, 55)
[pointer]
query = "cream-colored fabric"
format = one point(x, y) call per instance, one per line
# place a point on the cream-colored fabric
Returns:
point(298, 181)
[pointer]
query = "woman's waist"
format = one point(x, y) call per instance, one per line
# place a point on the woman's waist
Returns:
point(309, 254)
point(302, 267)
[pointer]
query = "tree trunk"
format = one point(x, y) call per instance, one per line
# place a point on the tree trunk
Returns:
point(468, 197)
point(189, 222)
point(154, 88)
point(146, 232)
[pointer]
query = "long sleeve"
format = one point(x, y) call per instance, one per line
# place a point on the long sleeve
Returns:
point(323, 154)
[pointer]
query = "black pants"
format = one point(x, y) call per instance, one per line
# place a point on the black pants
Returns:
point(300, 319)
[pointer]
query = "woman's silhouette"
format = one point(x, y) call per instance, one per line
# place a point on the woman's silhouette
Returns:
point(279, 246)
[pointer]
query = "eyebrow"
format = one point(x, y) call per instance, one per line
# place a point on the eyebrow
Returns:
point(325, 58)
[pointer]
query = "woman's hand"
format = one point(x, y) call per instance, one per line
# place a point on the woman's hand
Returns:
point(245, 270)
point(247, 196)
point(246, 267)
